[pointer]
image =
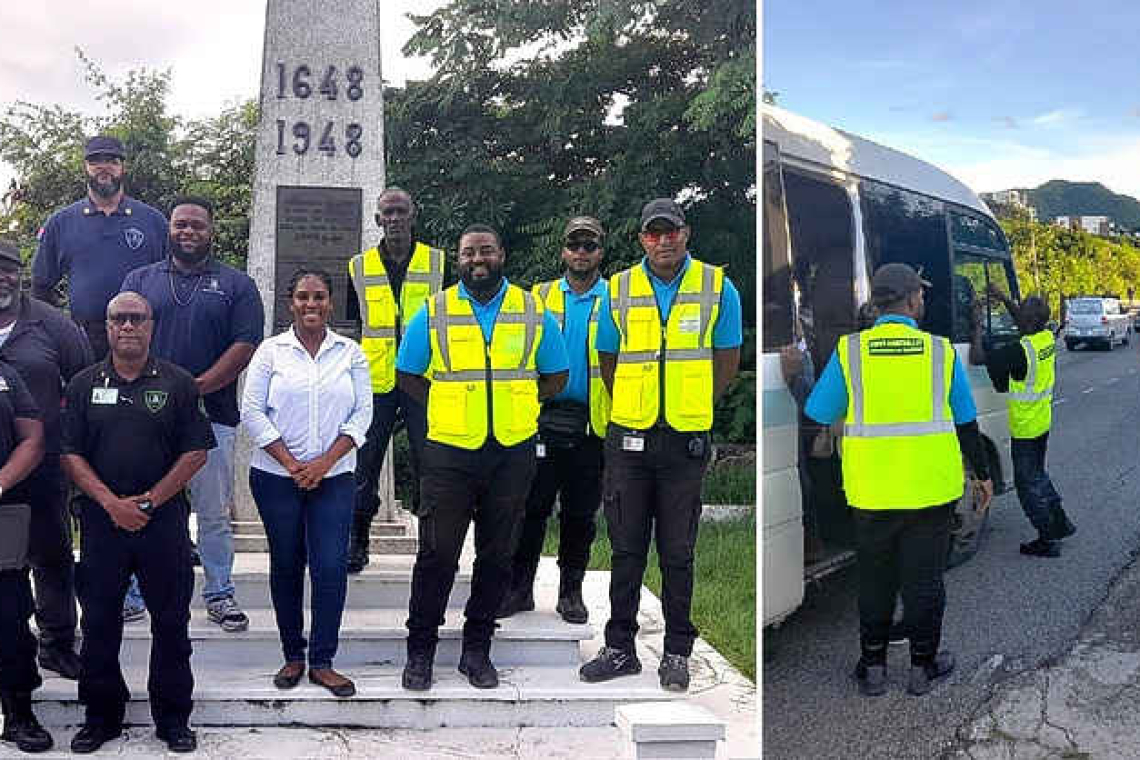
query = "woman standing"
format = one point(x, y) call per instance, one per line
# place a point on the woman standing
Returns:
point(307, 406)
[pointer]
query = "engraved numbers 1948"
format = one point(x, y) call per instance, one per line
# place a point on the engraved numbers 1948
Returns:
point(327, 143)
point(301, 82)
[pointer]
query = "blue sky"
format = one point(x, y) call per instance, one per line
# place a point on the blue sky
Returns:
point(1001, 94)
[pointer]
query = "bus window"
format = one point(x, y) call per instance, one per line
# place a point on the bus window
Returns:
point(821, 226)
point(972, 277)
point(778, 308)
point(903, 226)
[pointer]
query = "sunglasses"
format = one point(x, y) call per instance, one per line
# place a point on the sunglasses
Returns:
point(658, 236)
point(589, 246)
point(122, 318)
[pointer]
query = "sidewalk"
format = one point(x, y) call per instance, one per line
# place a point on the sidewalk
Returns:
point(716, 685)
point(1086, 705)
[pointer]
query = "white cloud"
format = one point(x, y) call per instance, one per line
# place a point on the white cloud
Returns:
point(1059, 116)
point(1117, 166)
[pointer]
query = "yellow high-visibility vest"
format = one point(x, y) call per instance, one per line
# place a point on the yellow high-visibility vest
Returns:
point(554, 299)
point(1031, 399)
point(479, 386)
point(665, 370)
point(900, 449)
point(379, 312)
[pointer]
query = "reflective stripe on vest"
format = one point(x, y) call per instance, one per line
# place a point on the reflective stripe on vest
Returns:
point(554, 299)
point(665, 367)
point(1031, 399)
point(900, 450)
point(379, 313)
point(462, 407)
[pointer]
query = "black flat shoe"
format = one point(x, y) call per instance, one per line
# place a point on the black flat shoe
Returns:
point(61, 660)
point(92, 737)
point(179, 740)
point(289, 675)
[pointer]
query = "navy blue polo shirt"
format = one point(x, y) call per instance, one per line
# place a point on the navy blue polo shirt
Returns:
point(198, 317)
point(95, 251)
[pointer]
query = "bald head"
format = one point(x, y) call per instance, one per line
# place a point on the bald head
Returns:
point(129, 327)
point(128, 299)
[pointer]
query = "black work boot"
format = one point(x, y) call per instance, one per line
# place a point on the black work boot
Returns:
point(418, 670)
point(59, 658)
point(570, 605)
point(924, 675)
point(21, 726)
point(358, 543)
point(476, 664)
point(520, 596)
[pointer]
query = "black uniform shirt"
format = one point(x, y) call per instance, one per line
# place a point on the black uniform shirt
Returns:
point(1005, 363)
point(132, 433)
point(48, 349)
point(15, 401)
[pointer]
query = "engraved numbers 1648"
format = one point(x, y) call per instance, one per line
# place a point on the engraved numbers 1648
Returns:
point(304, 136)
point(303, 80)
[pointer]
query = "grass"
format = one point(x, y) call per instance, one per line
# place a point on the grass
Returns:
point(724, 585)
point(730, 483)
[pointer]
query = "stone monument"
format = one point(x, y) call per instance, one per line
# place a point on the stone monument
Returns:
point(319, 168)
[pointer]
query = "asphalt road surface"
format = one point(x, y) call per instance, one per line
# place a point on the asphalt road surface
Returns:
point(1005, 612)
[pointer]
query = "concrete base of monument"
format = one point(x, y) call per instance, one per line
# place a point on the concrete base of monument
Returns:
point(540, 709)
point(386, 538)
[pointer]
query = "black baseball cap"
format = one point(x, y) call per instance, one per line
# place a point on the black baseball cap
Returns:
point(9, 252)
point(662, 208)
point(584, 224)
point(895, 281)
point(105, 146)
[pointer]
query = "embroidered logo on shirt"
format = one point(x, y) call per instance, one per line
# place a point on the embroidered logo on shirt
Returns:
point(3, 383)
point(134, 237)
point(154, 400)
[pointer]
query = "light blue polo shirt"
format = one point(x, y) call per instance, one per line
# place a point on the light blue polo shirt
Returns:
point(414, 355)
point(576, 333)
point(728, 332)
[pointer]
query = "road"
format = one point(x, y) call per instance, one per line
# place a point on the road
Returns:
point(1005, 612)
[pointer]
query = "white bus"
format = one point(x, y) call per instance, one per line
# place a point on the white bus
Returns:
point(836, 207)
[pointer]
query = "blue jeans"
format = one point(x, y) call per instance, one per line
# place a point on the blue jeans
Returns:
point(1039, 499)
point(212, 498)
point(306, 527)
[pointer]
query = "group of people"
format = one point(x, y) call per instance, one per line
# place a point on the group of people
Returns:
point(578, 390)
point(908, 422)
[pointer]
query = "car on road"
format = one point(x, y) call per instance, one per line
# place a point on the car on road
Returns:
point(1096, 321)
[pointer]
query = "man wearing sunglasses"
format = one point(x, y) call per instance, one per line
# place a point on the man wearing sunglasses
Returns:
point(668, 343)
point(134, 432)
point(571, 427)
point(94, 242)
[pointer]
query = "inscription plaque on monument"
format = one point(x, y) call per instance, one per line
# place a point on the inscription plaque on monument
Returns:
point(318, 227)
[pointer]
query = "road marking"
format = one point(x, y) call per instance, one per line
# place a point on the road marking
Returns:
point(1088, 390)
point(1058, 401)
point(1111, 380)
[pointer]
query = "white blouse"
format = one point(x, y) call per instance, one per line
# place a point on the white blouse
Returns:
point(306, 402)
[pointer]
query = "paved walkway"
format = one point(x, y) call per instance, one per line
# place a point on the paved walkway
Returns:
point(716, 685)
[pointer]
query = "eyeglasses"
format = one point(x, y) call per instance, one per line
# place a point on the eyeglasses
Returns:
point(589, 246)
point(658, 236)
point(123, 317)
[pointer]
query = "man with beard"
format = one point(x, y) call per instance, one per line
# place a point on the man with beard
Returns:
point(482, 355)
point(571, 427)
point(47, 349)
point(94, 242)
point(208, 319)
point(133, 435)
point(909, 418)
point(392, 281)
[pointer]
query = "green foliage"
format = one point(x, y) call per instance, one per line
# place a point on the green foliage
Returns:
point(1061, 198)
point(730, 483)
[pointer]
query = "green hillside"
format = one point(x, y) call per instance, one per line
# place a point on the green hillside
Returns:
point(1058, 197)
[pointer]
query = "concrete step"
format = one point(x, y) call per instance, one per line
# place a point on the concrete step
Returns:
point(379, 529)
point(384, 584)
point(245, 696)
point(256, 542)
point(371, 637)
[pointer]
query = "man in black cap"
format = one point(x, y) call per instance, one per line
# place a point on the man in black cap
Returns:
point(571, 427)
point(909, 418)
point(47, 349)
point(668, 343)
point(94, 242)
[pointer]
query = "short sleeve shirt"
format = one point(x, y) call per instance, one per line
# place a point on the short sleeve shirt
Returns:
point(198, 317)
point(132, 432)
point(95, 251)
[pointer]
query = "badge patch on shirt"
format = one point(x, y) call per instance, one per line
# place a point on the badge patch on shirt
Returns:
point(3, 383)
point(211, 285)
point(689, 325)
point(104, 395)
point(154, 400)
point(134, 237)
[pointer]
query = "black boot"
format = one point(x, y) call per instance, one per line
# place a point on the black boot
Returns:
point(520, 596)
point(570, 605)
point(21, 726)
point(358, 543)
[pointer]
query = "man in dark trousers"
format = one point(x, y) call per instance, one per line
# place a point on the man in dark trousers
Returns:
point(392, 281)
point(482, 356)
point(134, 433)
point(1026, 371)
point(909, 418)
point(94, 242)
point(571, 427)
point(47, 349)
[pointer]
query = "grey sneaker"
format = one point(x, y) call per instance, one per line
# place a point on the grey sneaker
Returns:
point(226, 613)
point(133, 613)
point(610, 663)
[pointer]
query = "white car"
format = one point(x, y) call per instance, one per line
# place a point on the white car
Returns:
point(1096, 321)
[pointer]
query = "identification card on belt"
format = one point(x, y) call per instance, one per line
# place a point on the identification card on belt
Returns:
point(632, 443)
point(540, 450)
point(104, 395)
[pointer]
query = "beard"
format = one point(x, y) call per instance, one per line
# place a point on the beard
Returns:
point(105, 189)
point(482, 285)
point(193, 256)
